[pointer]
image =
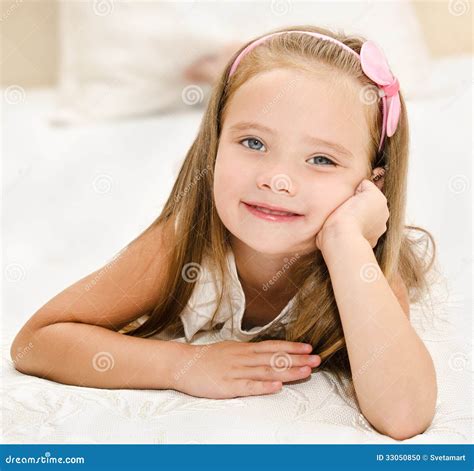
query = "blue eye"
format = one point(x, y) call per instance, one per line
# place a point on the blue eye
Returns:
point(252, 140)
point(255, 143)
point(323, 157)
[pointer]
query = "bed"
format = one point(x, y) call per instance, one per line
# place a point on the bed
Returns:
point(74, 196)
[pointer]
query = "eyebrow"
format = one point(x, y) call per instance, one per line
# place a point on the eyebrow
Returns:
point(241, 126)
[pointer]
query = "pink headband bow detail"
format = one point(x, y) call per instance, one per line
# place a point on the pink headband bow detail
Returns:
point(373, 64)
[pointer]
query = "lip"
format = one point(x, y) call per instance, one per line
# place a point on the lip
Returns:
point(271, 217)
point(269, 206)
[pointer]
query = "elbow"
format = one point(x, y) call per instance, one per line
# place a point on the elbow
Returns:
point(407, 431)
point(21, 353)
point(410, 419)
point(14, 351)
point(403, 431)
point(415, 415)
point(410, 422)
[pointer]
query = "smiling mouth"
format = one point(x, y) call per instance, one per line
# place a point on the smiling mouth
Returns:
point(269, 211)
point(271, 215)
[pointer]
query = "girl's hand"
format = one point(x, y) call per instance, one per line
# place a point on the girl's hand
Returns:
point(364, 213)
point(231, 369)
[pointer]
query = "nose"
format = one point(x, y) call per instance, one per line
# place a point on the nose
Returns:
point(277, 180)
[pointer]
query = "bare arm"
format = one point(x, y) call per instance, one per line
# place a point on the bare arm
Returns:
point(393, 373)
point(90, 355)
point(74, 337)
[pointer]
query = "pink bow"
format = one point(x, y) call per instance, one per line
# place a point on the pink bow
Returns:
point(375, 66)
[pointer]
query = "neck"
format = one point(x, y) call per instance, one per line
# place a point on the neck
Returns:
point(261, 273)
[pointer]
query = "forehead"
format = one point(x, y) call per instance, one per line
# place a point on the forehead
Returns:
point(296, 102)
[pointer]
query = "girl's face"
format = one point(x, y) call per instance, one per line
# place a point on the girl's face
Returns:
point(271, 151)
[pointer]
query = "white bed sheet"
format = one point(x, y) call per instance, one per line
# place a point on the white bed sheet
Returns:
point(73, 197)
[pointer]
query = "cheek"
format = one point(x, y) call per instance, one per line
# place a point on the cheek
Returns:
point(232, 179)
point(325, 195)
point(227, 184)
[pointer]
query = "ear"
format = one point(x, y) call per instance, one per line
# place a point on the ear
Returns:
point(378, 177)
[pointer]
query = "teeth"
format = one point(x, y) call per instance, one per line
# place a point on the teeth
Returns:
point(276, 213)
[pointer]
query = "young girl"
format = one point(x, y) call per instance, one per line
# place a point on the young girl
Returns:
point(276, 238)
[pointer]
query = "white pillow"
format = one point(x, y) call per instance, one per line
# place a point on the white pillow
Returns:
point(121, 58)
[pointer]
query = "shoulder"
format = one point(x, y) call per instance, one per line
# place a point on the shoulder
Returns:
point(401, 292)
point(128, 286)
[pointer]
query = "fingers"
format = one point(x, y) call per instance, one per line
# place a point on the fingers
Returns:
point(264, 366)
point(268, 373)
point(273, 346)
point(249, 387)
point(280, 360)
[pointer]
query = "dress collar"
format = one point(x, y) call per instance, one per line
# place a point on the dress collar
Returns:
point(198, 312)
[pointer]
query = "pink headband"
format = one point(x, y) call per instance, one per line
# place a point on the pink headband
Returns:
point(373, 64)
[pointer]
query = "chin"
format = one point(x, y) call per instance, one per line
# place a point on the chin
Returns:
point(270, 243)
point(271, 250)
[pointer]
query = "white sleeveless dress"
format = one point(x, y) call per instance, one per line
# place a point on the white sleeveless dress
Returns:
point(227, 325)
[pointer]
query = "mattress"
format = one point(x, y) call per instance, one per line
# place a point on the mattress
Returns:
point(314, 410)
point(73, 197)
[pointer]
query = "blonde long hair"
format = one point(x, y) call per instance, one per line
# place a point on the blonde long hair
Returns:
point(200, 230)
